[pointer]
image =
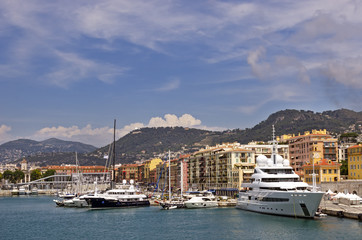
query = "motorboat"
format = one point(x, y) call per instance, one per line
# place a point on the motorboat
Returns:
point(34, 191)
point(124, 196)
point(274, 188)
point(15, 191)
point(22, 191)
point(204, 199)
point(63, 198)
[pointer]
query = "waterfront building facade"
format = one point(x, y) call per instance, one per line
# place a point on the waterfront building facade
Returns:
point(260, 148)
point(72, 169)
point(343, 151)
point(162, 174)
point(129, 172)
point(311, 147)
point(8, 166)
point(325, 171)
point(148, 167)
point(355, 162)
point(218, 167)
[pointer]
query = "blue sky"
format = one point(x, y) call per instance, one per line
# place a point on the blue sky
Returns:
point(68, 68)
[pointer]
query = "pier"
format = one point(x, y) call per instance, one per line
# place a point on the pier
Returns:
point(341, 210)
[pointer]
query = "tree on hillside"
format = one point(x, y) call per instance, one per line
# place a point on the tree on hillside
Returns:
point(1, 176)
point(35, 175)
point(344, 167)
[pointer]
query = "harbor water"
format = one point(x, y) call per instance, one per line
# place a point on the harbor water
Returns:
point(37, 217)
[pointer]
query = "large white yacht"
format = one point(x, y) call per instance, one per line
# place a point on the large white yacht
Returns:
point(275, 189)
point(124, 196)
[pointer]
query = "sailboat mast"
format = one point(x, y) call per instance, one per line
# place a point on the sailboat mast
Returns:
point(182, 176)
point(169, 175)
point(114, 155)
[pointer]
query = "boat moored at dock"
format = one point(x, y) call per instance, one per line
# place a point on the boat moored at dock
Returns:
point(205, 199)
point(124, 196)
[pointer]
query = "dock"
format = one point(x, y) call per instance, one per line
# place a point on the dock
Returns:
point(341, 210)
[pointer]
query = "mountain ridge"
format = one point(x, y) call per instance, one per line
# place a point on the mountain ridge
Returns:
point(146, 143)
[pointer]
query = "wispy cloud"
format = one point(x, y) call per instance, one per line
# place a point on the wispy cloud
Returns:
point(166, 87)
point(169, 86)
point(74, 68)
point(347, 72)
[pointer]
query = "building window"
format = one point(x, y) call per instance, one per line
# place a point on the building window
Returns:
point(324, 171)
point(330, 171)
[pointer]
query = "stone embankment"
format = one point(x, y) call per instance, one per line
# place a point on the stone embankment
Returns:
point(341, 210)
point(41, 191)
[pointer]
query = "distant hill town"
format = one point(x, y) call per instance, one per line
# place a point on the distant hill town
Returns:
point(147, 143)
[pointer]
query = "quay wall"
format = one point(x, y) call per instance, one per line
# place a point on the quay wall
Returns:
point(350, 186)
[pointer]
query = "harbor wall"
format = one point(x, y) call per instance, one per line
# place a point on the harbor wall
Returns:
point(349, 186)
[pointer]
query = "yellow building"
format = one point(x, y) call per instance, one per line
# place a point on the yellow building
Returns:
point(150, 165)
point(325, 170)
point(355, 162)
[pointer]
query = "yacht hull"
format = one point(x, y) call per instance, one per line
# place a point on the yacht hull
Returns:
point(292, 203)
point(172, 205)
point(209, 204)
point(106, 203)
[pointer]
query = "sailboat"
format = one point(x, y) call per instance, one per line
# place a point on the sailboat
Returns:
point(172, 204)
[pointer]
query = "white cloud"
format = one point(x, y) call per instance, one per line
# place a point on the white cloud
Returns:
point(171, 120)
point(4, 133)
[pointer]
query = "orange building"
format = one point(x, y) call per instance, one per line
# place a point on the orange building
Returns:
point(69, 169)
point(129, 172)
point(311, 147)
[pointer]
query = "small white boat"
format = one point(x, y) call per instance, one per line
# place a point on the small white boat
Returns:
point(167, 205)
point(15, 191)
point(63, 198)
point(22, 191)
point(204, 200)
point(34, 191)
point(170, 207)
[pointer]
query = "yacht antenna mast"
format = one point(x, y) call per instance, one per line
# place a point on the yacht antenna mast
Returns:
point(274, 152)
